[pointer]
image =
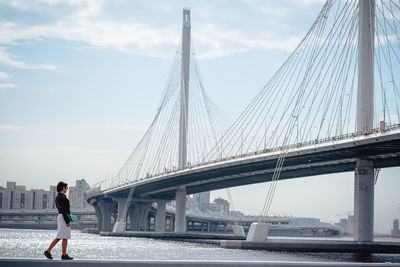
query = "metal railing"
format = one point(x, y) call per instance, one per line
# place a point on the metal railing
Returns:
point(387, 128)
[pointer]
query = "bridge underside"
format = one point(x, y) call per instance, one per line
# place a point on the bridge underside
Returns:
point(318, 160)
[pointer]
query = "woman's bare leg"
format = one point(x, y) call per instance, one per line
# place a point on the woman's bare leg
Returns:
point(53, 243)
point(64, 247)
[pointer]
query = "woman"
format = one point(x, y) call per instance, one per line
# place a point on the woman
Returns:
point(63, 222)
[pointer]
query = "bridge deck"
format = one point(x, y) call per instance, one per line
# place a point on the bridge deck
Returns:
point(334, 156)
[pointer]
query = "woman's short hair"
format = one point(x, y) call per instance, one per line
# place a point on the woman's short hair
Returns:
point(60, 186)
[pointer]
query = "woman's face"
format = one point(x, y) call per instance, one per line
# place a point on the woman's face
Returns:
point(65, 189)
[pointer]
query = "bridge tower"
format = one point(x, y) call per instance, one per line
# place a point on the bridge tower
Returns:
point(180, 213)
point(364, 170)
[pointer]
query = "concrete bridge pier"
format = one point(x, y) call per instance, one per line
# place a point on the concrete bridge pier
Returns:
point(161, 215)
point(180, 210)
point(121, 202)
point(106, 209)
point(97, 209)
point(364, 187)
point(131, 216)
point(120, 224)
point(138, 213)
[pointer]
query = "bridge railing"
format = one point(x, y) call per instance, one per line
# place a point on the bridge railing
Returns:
point(93, 192)
point(302, 144)
point(387, 128)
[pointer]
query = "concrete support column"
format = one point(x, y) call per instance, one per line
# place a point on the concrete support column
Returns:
point(145, 209)
point(107, 208)
point(160, 216)
point(120, 224)
point(172, 223)
point(131, 215)
point(364, 201)
point(121, 205)
point(180, 210)
point(134, 214)
point(99, 216)
point(138, 214)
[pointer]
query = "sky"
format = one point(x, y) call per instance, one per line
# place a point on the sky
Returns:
point(80, 82)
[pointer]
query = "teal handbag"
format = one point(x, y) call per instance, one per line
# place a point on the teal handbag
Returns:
point(71, 217)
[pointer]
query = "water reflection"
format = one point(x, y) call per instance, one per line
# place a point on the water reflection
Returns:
point(32, 243)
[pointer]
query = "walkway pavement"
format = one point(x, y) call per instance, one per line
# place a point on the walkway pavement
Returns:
point(22, 262)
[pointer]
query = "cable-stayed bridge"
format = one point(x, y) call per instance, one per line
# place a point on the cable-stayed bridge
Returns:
point(333, 106)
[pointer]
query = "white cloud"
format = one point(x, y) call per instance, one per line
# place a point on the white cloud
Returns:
point(10, 60)
point(90, 6)
point(131, 38)
point(212, 41)
point(19, 4)
point(126, 37)
point(4, 76)
point(6, 85)
point(85, 25)
point(5, 127)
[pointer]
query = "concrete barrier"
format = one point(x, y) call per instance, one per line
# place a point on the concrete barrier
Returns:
point(8, 262)
point(331, 246)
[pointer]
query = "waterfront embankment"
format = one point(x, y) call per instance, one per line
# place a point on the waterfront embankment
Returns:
point(180, 263)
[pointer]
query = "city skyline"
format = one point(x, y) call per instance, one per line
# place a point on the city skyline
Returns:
point(18, 196)
point(80, 89)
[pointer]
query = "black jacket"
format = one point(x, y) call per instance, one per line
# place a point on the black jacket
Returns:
point(62, 204)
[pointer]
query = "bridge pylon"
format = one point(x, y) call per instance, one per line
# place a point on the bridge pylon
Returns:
point(364, 170)
point(180, 210)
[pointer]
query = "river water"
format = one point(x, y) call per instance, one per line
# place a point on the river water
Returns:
point(28, 243)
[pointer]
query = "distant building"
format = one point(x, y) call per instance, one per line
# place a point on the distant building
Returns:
point(396, 231)
point(191, 203)
point(15, 196)
point(40, 199)
point(220, 205)
point(77, 198)
point(203, 200)
point(347, 224)
point(53, 194)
